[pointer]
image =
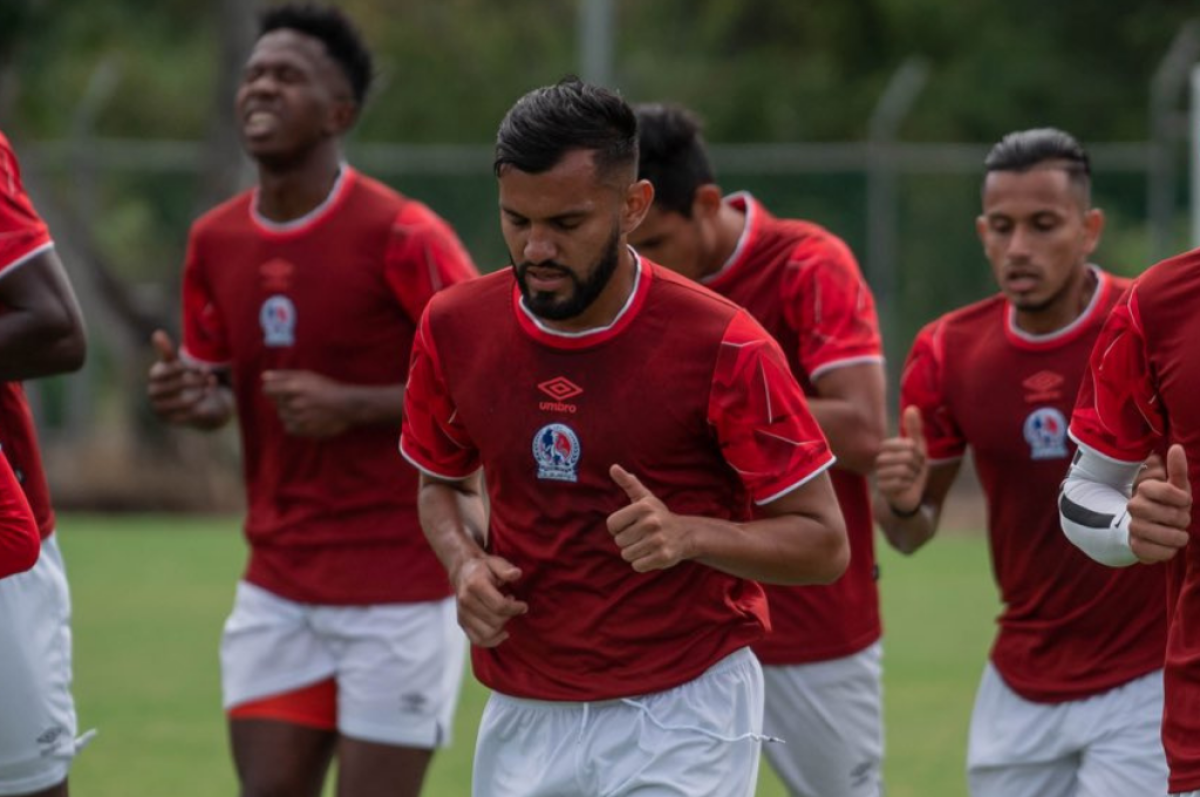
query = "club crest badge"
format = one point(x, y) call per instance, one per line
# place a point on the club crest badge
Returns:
point(556, 450)
point(278, 320)
point(1046, 433)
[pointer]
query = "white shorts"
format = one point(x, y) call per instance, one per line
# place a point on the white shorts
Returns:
point(37, 714)
point(700, 739)
point(398, 666)
point(1108, 744)
point(830, 716)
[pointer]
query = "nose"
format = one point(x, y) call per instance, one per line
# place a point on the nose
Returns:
point(1020, 243)
point(539, 246)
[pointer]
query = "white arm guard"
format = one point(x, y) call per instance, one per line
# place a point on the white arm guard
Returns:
point(1092, 506)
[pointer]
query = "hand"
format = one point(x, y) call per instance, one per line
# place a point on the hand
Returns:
point(1161, 511)
point(309, 405)
point(181, 393)
point(649, 535)
point(902, 466)
point(483, 607)
point(1154, 468)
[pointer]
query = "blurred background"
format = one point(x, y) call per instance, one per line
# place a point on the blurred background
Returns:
point(871, 117)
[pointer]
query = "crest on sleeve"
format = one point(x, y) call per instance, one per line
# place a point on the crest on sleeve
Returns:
point(278, 320)
point(556, 451)
point(1046, 433)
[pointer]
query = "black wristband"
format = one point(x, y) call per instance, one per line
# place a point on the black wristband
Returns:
point(904, 515)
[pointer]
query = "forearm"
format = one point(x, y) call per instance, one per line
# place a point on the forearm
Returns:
point(34, 344)
point(854, 433)
point(454, 520)
point(906, 533)
point(1093, 507)
point(367, 405)
point(793, 550)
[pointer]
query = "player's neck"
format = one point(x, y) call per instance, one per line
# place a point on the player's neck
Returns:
point(1064, 310)
point(291, 193)
point(730, 224)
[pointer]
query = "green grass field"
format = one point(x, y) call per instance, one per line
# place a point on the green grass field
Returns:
point(151, 592)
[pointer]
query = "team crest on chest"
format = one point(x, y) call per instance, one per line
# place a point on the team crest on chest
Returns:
point(556, 451)
point(278, 320)
point(1046, 433)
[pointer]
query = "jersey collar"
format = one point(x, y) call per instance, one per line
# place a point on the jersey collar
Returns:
point(1060, 337)
point(286, 229)
point(743, 201)
point(537, 329)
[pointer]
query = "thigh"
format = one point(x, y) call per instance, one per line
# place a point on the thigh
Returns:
point(700, 739)
point(1018, 747)
point(280, 759)
point(368, 769)
point(399, 668)
point(269, 647)
point(37, 712)
point(1126, 756)
point(529, 748)
point(830, 718)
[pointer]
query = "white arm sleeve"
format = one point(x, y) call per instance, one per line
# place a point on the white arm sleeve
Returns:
point(1092, 506)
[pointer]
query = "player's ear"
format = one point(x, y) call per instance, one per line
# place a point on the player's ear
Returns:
point(638, 199)
point(706, 202)
point(981, 228)
point(1093, 226)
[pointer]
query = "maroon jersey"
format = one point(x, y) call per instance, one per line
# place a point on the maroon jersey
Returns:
point(1070, 628)
point(803, 285)
point(19, 538)
point(339, 293)
point(23, 235)
point(706, 414)
point(1140, 391)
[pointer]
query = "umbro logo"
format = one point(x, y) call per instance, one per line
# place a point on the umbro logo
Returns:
point(276, 275)
point(1043, 386)
point(560, 389)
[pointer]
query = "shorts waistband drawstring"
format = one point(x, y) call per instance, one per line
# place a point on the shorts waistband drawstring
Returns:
point(758, 737)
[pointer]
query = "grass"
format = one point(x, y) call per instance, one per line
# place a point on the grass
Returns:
point(151, 593)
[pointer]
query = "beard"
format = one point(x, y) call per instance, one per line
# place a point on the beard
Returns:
point(583, 291)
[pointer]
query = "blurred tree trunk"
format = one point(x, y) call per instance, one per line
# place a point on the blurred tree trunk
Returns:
point(225, 168)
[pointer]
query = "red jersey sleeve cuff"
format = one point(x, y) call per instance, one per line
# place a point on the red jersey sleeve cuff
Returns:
point(805, 479)
point(1105, 449)
point(427, 467)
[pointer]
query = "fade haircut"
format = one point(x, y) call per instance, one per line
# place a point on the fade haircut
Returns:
point(1024, 150)
point(333, 29)
point(673, 155)
point(547, 123)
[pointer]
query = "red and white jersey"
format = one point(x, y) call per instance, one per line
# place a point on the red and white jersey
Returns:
point(338, 292)
point(804, 286)
point(1139, 394)
point(20, 542)
point(706, 414)
point(1070, 628)
point(23, 235)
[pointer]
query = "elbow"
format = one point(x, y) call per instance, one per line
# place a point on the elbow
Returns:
point(834, 558)
point(860, 452)
point(68, 352)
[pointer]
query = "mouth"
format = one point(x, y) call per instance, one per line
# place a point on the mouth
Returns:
point(259, 124)
point(544, 279)
point(1022, 281)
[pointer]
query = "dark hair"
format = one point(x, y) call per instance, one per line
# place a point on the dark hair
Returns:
point(333, 29)
point(548, 122)
point(1022, 150)
point(674, 157)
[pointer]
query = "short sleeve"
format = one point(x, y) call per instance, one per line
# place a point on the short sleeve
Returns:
point(423, 257)
point(829, 304)
point(431, 437)
point(758, 411)
point(23, 234)
point(922, 384)
point(1118, 412)
point(204, 336)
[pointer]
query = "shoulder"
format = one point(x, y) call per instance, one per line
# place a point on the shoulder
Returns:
point(1170, 279)
point(233, 212)
point(671, 287)
point(463, 299)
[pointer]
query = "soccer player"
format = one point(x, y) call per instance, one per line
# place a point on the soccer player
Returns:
point(1070, 701)
point(611, 595)
point(821, 661)
point(41, 333)
point(300, 303)
point(20, 542)
point(1140, 393)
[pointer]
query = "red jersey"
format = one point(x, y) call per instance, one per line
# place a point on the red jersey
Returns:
point(1140, 391)
point(23, 235)
point(1070, 627)
point(338, 292)
point(803, 285)
point(706, 414)
point(20, 542)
